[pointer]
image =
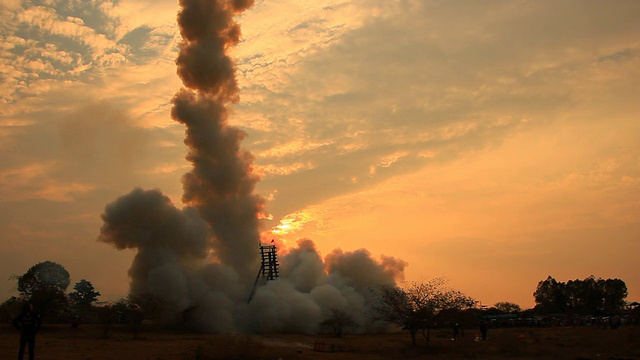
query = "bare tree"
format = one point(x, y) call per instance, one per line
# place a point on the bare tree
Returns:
point(338, 321)
point(418, 305)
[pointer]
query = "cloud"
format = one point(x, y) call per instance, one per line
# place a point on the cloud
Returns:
point(338, 99)
point(33, 182)
point(81, 118)
point(425, 77)
point(70, 41)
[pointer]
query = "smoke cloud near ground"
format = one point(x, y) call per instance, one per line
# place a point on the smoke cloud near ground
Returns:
point(201, 260)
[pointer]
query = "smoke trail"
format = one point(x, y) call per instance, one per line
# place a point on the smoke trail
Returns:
point(208, 30)
point(221, 183)
point(200, 260)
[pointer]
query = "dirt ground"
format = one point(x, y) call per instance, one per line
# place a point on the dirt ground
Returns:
point(88, 342)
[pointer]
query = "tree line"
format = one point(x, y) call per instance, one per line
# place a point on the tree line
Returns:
point(415, 307)
point(590, 296)
point(45, 285)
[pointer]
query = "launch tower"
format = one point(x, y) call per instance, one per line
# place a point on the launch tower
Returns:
point(268, 267)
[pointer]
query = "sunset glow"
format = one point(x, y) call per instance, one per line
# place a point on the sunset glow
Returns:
point(293, 224)
point(493, 143)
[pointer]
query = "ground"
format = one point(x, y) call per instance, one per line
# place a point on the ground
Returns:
point(89, 342)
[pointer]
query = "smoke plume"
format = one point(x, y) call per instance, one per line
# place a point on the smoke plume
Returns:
point(201, 260)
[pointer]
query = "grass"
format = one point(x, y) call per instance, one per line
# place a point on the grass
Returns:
point(88, 342)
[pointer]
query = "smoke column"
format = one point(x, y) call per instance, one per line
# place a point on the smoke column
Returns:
point(221, 183)
point(201, 260)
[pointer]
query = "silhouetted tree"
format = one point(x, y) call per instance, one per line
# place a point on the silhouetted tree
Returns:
point(615, 294)
point(84, 294)
point(588, 296)
point(338, 321)
point(44, 285)
point(417, 306)
point(507, 307)
point(82, 300)
point(635, 315)
point(550, 296)
point(10, 309)
point(46, 274)
point(108, 315)
point(585, 296)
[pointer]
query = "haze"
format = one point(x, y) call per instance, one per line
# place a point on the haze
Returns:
point(491, 142)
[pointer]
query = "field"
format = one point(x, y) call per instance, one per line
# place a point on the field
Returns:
point(88, 342)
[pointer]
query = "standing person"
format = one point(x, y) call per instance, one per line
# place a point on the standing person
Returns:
point(28, 322)
point(456, 330)
point(483, 329)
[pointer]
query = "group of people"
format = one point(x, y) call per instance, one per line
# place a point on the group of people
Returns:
point(459, 330)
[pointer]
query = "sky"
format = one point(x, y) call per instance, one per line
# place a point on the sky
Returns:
point(493, 143)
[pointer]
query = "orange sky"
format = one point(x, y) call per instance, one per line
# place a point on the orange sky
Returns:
point(491, 142)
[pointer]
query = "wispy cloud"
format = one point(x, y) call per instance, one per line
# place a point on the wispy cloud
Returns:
point(33, 182)
point(493, 118)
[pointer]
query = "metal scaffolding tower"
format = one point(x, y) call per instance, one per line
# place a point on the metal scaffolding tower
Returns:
point(268, 267)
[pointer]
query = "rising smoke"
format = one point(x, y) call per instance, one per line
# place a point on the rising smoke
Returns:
point(201, 260)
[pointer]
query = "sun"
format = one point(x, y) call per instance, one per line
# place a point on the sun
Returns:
point(293, 223)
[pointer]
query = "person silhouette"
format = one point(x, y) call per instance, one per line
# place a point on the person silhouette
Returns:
point(484, 327)
point(28, 323)
point(456, 330)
